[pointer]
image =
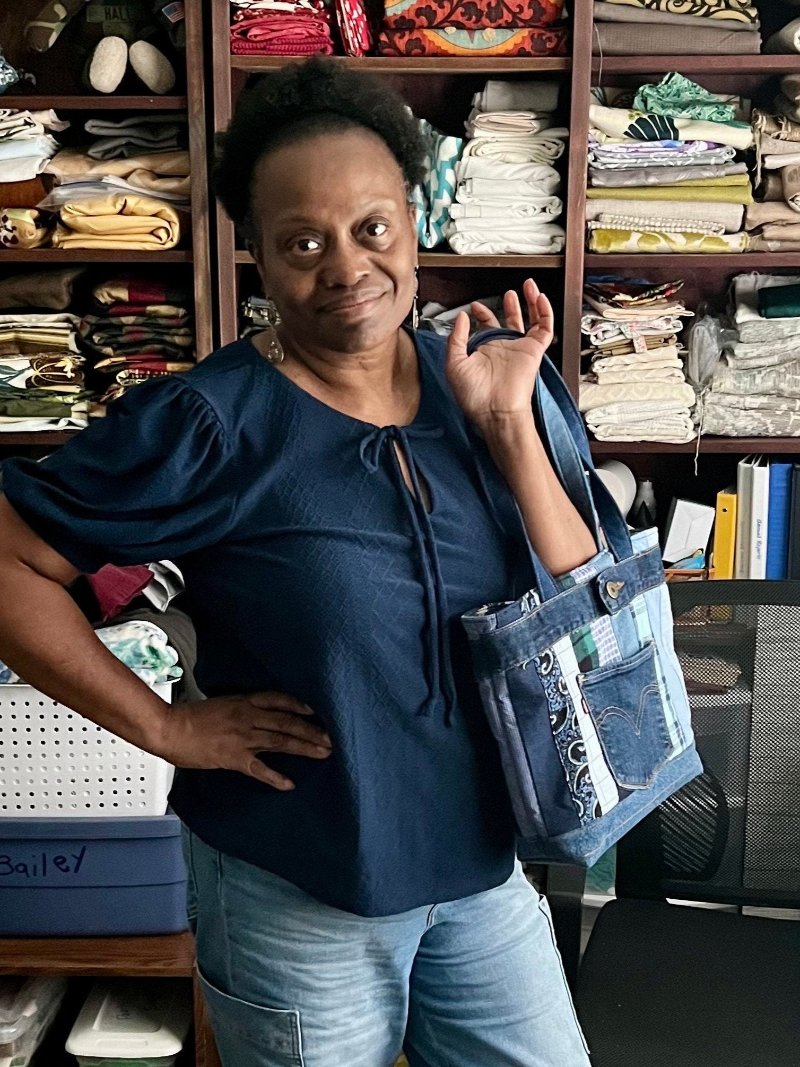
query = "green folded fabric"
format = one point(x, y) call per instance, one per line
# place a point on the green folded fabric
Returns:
point(779, 301)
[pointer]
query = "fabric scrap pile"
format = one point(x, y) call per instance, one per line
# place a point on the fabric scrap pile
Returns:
point(663, 172)
point(139, 329)
point(664, 27)
point(124, 190)
point(474, 28)
point(42, 370)
point(26, 145)
point(774, 221)
point(755, 387)
point(505, 200)
point(635, 388)
point(280, 28)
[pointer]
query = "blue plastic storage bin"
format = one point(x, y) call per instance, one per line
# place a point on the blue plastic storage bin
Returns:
point(91, 877)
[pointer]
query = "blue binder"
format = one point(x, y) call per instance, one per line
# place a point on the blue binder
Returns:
point(780, 495)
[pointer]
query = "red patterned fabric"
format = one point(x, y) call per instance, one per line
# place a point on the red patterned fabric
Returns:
point(530, 41)
point(353, 27)
point(471, 14)
point(281, 34)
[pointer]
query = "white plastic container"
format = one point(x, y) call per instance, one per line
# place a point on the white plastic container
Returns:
point(55, 763)
point(27, 1007)
point(132, 1022)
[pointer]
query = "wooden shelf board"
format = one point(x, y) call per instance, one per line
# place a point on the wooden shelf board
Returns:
point(738, 445)
point(170, 955)
point(736, 260)
point(697, 64)
point(55, 256)
point(450, 259)
point(95, 103)
point(45, 438)
point(419, 65)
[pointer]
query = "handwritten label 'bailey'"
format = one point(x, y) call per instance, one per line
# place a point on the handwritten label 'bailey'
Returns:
point(40, 865)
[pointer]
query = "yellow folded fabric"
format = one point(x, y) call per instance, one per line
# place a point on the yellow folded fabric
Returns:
point(75, 163)
point(712, 183)
point(734, 194)
point(641, 241)
point(117, 221)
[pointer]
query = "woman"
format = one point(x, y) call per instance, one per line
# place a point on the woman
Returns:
point(337, 494)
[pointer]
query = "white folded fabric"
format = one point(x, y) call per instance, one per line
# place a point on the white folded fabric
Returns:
point(540, 174)
point(499, 95)
point(22, 168)
point(615, 122)
point(637, 374)
point(595, 396)
point(15, 147)
point(539, 241)
point(489, 225)
point(778, 162)
point(508, 122)
point(728, 215)
point(550, 207)
point(544, 147)
point(486, 191)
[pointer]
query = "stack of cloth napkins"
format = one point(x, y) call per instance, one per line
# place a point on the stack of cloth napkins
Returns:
point(774, 222)
point(663, 169)
point(506, 186)
point(474, 28)
point(26, 145)
point(139, 329)
point(755, 388)
point(635, 388)
point(667, 27)
point(280, 28)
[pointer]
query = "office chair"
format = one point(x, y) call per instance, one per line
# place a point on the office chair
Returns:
point(667, 985)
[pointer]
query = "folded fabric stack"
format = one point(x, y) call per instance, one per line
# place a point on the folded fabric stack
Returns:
point(138, 330)
point(676, 27)
point(505, 198)
point(280, 28)
point(786, 40)
point(433, 197)
point(774, 222)
point(26, 145)
point(163, 175)
point(474, 28)
point(635, 388)
point(755, 388)
point(663, 174)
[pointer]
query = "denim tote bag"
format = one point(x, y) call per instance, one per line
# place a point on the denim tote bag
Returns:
point(579, 678)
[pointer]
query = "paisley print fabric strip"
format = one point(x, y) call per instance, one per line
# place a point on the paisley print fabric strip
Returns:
point(471, 14)
point(533, 41)
point(730, 10)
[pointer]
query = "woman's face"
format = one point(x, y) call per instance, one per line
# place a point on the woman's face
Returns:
point(336, 244)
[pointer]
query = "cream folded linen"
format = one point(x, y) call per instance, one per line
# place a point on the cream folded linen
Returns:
point(653, 421)
point(778, 146)
point(728, 215)
point(770, 213)
point(786, 41)
point(686, 177)
point(635, 375)
point(485, 191)
point(716, 194)
point(790, 185)
point(761, 244)
point(546, 177)
point(513, 123)
point(782, 231)
point(545, 147)
point(487, 225)
point(117, 221)
point(539, 241)
point(777, 162)
point(678, 394)
point(491, 212)
point(635, 361)
point(498, 95)
point(638, 126)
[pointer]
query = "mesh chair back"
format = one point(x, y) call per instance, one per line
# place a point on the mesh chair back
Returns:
point(732, 835)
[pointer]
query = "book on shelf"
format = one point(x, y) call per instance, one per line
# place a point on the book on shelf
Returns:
point(794, 525)
point(780, 497)
point(757, 522)
point(722, 557)
point(759, 512)
point(744, 483)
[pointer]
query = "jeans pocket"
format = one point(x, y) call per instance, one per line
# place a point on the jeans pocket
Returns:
point(250, 1035)
point(624, 702)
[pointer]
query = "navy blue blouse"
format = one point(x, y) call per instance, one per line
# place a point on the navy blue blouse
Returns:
point(312, 569)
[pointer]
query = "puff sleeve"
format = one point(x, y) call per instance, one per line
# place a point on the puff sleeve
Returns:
point(156, 478)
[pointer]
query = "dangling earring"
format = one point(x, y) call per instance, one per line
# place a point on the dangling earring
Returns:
point(274, 353)
point(414, 307)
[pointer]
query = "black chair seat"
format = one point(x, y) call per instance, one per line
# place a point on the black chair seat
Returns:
point(663, 985)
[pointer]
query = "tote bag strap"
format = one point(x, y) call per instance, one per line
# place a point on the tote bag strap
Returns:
point(565, 438)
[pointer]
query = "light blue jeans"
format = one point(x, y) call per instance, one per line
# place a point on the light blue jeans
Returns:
point(291, 982)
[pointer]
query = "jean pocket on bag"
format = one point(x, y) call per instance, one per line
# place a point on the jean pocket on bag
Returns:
point(251, 1034)
point(624, 703)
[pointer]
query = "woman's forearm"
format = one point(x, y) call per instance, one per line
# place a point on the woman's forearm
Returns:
point(558, 534)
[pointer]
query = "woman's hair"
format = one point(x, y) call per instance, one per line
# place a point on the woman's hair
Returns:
point(302, 100)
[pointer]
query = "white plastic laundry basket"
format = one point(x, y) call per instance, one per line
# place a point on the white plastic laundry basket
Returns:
point(54, 762)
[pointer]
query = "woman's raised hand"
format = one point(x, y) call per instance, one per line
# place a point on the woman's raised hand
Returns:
point(230, 733)
point(495, 384)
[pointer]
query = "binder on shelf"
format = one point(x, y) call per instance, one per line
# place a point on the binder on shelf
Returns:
point(759, 511)
point(794, 525)
point(744, 484)
point(722, 559)
point(780, 492)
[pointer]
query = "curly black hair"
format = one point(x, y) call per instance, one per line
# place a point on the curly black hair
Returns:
point(303, 99)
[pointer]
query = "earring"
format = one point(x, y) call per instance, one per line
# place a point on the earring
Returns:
point(274, 353)
point(414, 305)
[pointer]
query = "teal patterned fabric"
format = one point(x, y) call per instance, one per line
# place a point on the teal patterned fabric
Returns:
point(435, 195)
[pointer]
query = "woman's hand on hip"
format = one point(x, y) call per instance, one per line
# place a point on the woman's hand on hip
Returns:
point(230, 732)
point(495, 384)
